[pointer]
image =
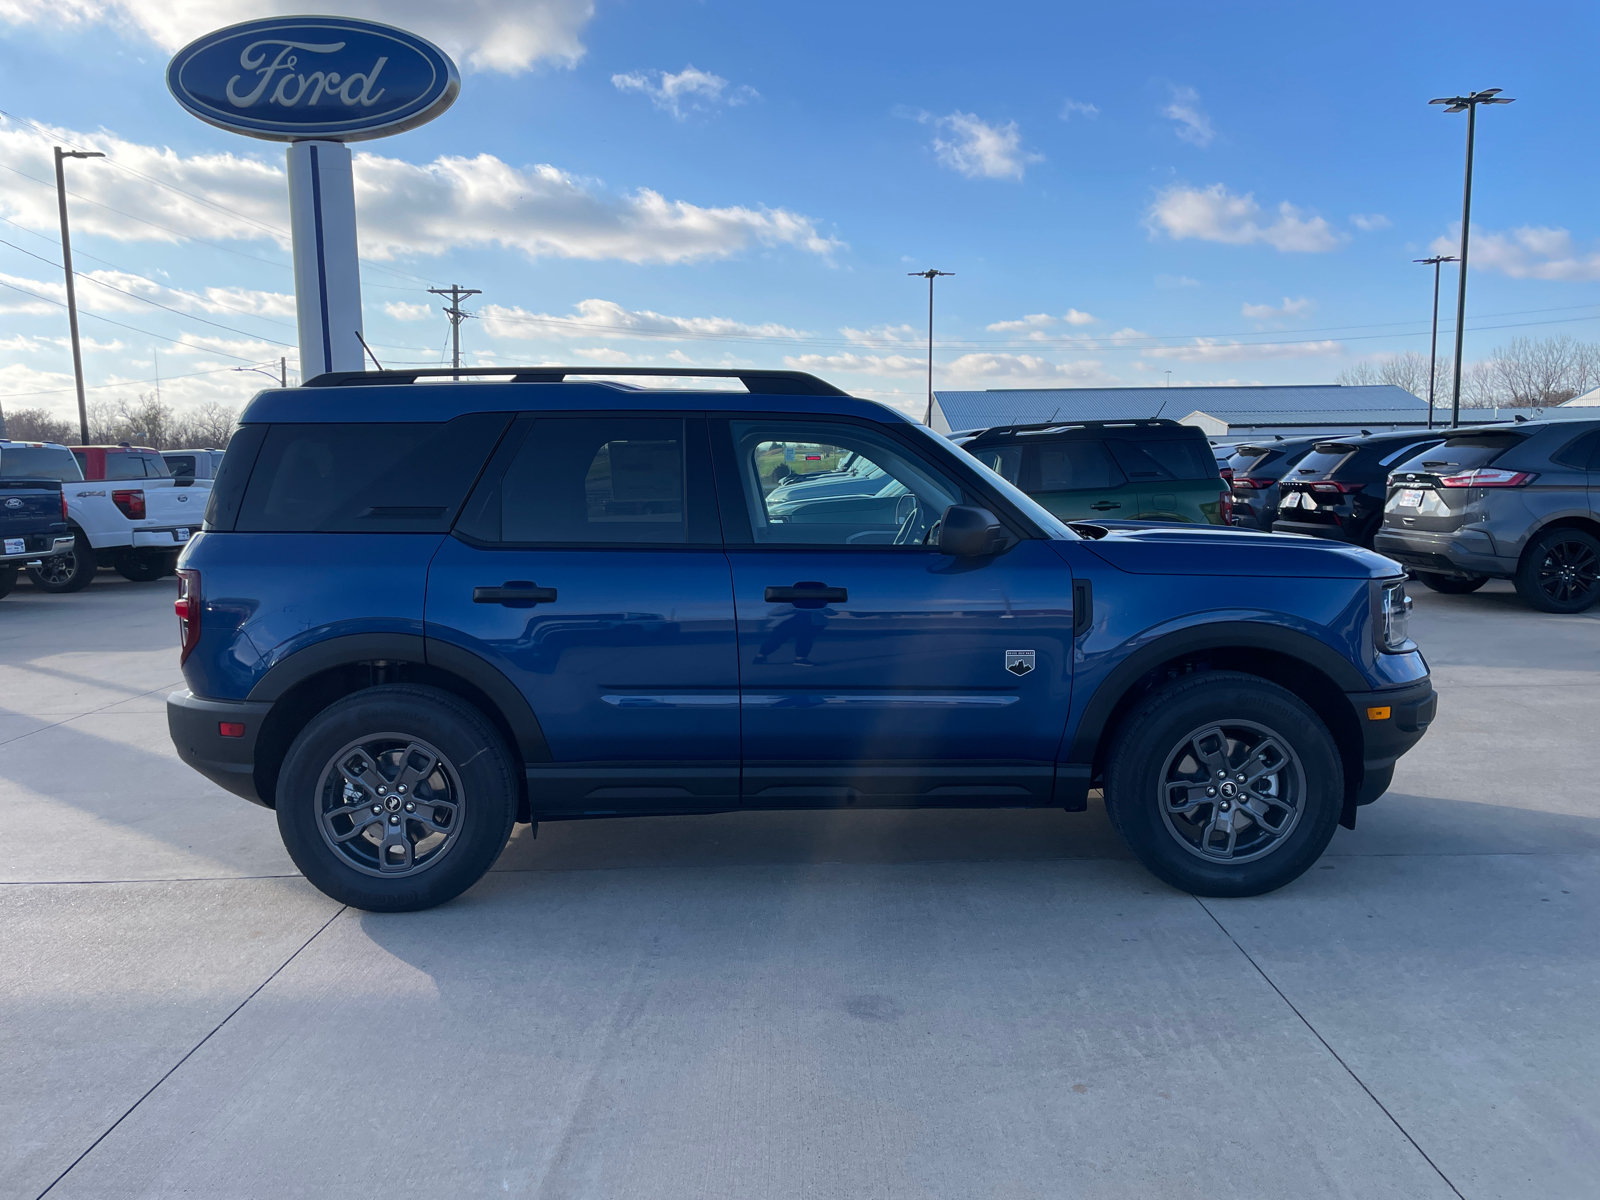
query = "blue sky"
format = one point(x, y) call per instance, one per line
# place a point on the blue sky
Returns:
point(1228, 192)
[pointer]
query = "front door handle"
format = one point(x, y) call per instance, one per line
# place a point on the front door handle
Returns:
point(817, 593)
point(514, 593)
point(1104, 505)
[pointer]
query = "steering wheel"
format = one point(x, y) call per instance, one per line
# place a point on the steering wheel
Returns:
point(914, 527)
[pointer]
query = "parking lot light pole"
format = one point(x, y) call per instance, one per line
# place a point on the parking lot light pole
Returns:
point(1433, 346)
point(1469, 105)
point(72, 293)
point(930, 276)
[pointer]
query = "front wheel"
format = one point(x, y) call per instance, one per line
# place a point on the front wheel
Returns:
point(396, 798)
point(1560, 572)
point(69, 572)
point(1450, 585)
point(1224, 784)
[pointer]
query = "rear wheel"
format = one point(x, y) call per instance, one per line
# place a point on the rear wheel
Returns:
point(1450, 585)
point(69, 572)
point(1560, 571)
point(1223, 784)
point(396, 798)
point(144, 568)
point(8, 578)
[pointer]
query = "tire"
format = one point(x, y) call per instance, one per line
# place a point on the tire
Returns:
point(69, 572)
point(1168, 740)
point(396, 726)
point(1560, 571)
point(143, 568)
point(1450, 585)
point(8, 578)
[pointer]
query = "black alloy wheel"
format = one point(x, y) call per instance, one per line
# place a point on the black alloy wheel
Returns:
point(1560, 572)
point(1450, 585)
point(69, 572)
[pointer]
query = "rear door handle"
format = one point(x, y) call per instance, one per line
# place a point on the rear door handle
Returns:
point(514, 592)
point(1103, 505)
point(818, 592)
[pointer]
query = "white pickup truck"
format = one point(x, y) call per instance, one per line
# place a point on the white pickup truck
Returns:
point(123, 509)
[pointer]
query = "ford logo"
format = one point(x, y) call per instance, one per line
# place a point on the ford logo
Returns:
point(293, 79)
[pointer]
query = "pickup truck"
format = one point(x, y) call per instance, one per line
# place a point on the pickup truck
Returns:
point(135, 522)
point(33, 519)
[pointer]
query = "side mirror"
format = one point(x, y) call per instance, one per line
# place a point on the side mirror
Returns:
point(969, 532)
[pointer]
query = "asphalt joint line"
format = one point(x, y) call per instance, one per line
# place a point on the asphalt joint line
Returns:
point(1249, 958)
point(171, 1070)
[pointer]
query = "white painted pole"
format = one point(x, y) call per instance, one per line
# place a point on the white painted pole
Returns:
point(327, 268)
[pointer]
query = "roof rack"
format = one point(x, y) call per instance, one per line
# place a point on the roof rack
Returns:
point(766, 383)
point(1043, 425)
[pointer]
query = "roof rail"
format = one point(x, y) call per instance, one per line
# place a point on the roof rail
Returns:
point(766, 383)
point(1068, 424)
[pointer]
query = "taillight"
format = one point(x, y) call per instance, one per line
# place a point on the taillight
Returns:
point(1337, 487)
point(64, 516)
point(1225, 499)
point(130, 503)
point(1488, 477)
point(187, 607)
point(1243, 483)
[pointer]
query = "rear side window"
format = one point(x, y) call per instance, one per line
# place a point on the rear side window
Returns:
point(1004, 461)
point(181, 464)
point(1581, 455)
point(39, 462)
point(590, 481)
point(1076, 467)
point(368, 478)
point(124, 466)
point(1172, 459)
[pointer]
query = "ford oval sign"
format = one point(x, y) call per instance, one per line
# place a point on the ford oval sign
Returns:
point(294, 79)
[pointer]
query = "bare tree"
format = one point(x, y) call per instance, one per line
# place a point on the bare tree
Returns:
point(38, 425)
point(208, 426)
point(1408, 370)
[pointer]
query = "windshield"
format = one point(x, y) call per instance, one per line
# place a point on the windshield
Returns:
point(1031, 508)
point(39, 462)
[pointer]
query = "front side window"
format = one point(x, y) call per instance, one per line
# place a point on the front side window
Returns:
point(587, 481)
point(181, 465)
point(819, 483)
point(1080, 466)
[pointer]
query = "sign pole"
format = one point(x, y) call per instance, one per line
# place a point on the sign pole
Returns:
point(327, 269)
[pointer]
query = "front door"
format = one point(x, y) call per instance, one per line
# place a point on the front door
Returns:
point(587, 567)
point(874, 669)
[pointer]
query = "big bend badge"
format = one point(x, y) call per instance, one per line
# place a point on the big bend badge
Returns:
point(1019, 662)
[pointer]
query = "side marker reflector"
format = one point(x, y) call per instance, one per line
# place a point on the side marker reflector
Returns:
point(1373, 714)
point(236, 728)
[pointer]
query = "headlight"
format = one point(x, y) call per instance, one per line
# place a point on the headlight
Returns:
point(1396, 615)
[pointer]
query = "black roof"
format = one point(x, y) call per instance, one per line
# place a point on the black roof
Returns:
point(757, 382)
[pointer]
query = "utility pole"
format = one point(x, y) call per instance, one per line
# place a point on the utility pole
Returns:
point(1468, 104)
point(930, 276)
point(72, 294)
point(1433, 346)
point(283, 372)
point(457, 294)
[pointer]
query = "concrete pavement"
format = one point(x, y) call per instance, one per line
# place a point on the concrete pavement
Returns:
point(851, 1004)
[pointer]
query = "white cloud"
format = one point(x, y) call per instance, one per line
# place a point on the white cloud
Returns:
point(402, 207)
point(605, 318)
point(1193, 125)
point(967, 371)
point(121, 293)
point(978, 149)
point(401, 311)
point(690, 90)
point(879, 335)
point(1214, 214)
point(490, 35)
point(1289, 308)
point(1530, 252)
point(1035, 324)
point(1213, 350)
point(1370, 222)
point(1071, 108)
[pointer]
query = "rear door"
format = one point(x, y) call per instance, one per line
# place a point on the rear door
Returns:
point(1177, 478)
point(875, 669)
point(588, 568)
point(1078, 480)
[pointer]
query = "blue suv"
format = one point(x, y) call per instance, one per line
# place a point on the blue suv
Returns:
point(422, 610)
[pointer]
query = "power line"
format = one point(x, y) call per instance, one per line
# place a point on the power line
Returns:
point(132, 329)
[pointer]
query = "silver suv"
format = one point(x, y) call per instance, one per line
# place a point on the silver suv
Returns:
point(1511, 502)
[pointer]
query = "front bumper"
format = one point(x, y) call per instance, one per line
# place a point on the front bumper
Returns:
point(229, 762)
point(1462, 552)
point(38, 548)
point(1392, 722)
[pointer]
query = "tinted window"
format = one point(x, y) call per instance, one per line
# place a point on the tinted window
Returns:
point(1583, 454)
point(1458, 453)
point(399, 478)
point(603, 480)
point(181, 464)
point(1409, 450)
point(39, 462)
point(122, 465)
point(1248, 459)
point(1077, 467)
point(1004, 461)
point(1169, 459)
point(898, 501)
point(1324, 457)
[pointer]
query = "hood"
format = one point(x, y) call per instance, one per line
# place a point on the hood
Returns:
point(1210, 550)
